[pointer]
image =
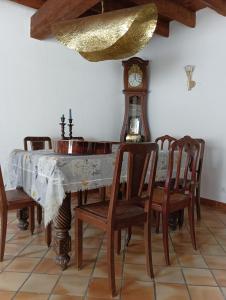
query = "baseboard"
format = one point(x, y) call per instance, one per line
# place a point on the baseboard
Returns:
point(213, 203)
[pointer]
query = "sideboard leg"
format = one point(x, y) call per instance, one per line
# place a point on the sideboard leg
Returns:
point(22, 215)
point(62, 239)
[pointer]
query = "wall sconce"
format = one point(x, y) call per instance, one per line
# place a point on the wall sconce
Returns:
point(189, 69)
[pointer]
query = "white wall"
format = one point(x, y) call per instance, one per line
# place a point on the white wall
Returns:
point(41, 80)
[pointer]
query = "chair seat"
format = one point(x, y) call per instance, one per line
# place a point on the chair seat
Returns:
point(18, 198)
point(175, 199)
point(123, 210)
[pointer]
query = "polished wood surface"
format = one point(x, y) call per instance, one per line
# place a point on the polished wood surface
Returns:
point(165, 140)
point(37, 142)
point(52, 11)
point(179, 190)
point(13, 200)
point(140, 92)
point(75, 146)
point(116, 214)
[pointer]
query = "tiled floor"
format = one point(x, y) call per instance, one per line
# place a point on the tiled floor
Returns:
point(29, 271)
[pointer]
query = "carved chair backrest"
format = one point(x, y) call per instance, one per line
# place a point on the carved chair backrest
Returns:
point(200, 158)
point(183, 158)
point(140, 157)
point(165, 140)
point(37, 142)
point(3, 200)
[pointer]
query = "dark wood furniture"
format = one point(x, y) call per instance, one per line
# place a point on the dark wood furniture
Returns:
point(39, 143)
point(117, 214)
point(199, 175)
point(135, 90)
point(13, 200)
point(179, 191)
point(165, 140)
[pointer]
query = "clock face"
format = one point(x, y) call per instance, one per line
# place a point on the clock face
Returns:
point(135, 76)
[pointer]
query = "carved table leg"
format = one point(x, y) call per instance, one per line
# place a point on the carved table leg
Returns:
point(22, 215)
point(62, 239)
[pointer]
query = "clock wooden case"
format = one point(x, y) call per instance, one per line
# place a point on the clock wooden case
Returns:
point(135, 124)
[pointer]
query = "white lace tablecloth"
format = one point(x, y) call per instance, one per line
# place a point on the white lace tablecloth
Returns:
point(47, 176)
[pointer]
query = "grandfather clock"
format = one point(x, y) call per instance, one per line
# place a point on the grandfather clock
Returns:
point(135, 125)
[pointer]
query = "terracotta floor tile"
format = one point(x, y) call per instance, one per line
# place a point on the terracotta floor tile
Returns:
point(65, 297)
point(4, 295)
point(158, 259)
point(74, 285)
point(192, 261)
point(91, 242)
point(48, 266)
point(185, 248)
point(98, 288)
point(22, 264)
point(31, 296)
point(205, 293)
point(136, 272)
point(101, 269)
point(12, 281)
point(207, 249)
point(37, 283)
point(224, 292)
point(168, 274)
point(34, 251)
point(216, 262)
point(199, 277)
point(7, 260)
point(171, 292)
point(85, 271)
point(220, 276)
point(133, 290)
point(13, 249)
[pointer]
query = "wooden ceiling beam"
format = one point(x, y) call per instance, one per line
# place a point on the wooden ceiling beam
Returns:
point(31, 3)
point(162, 28)
point(57, 10)
point(218, 5)
point(173, 11)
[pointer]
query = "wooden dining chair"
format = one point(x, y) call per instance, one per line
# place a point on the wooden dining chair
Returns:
point(13, 200)
point(114, 215)
point(199, 175)
point(39, 143)
point(179, 189)
point(165, 141)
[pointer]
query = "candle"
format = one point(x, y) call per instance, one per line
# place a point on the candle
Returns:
point(70, 115)
point(62, 118)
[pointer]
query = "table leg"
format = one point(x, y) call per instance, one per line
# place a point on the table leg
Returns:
point(62, 239)
point(22, 215)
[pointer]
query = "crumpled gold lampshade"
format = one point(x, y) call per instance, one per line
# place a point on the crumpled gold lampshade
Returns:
point(113, 35)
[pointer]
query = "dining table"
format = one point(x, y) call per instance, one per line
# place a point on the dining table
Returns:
point(50, 178)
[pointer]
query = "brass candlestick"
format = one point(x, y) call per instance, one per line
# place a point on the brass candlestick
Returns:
point(70, 125)
point(62, 124)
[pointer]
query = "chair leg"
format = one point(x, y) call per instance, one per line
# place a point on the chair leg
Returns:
point(181, 218)
point(118, 241)
point(110, 261)
point(85, 193)
point(48, 234)
point(39, 214)
point(192, 224)
point(165, 236)
point(78, 242)
point(197, 200)
point(148, 250)
point(31, 219)
point(157, 216)
point(3, 233)
point(129, 235)
point(102, 193)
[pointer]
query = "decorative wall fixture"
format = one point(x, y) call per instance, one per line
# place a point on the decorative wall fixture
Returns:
point(189, 69)
point(112, 35)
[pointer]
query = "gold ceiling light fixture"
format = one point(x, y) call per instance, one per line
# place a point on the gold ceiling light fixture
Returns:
point(110, 35)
